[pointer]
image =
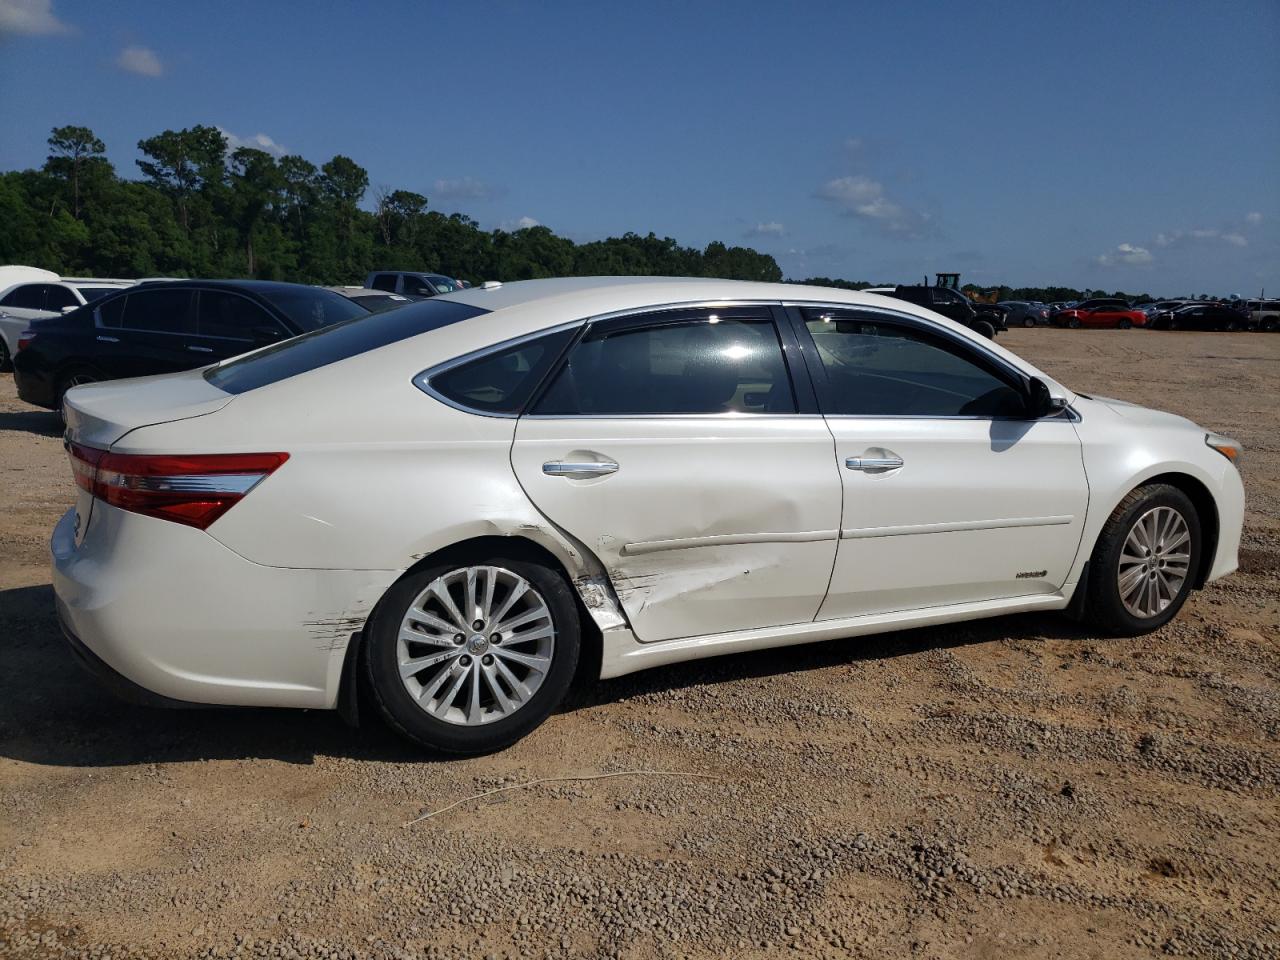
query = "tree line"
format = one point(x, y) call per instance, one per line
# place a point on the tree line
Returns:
point(204, 210)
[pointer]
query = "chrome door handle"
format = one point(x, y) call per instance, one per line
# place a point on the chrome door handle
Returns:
point(873, 464)
point(109, 339)
point(200, 349)
point(579, 471)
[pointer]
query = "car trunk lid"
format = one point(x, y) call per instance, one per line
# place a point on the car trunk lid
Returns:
point(99, 414)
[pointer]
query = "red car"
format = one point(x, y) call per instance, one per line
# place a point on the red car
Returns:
point(1101, 313)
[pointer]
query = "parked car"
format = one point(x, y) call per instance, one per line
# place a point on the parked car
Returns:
point(162, 327)
point(1024, 313)
point(411, 284)
point(1201, 316)
point(1265, 314)
point(28, 300)
point(1101, 312)
point(453, 504)
point(375, 301)
point(985, 319)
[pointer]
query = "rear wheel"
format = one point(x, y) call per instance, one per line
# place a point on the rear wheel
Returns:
point(985, 328)
point(468, 657)
point(73, 378)
point(1028, 321)
point(6, 362)
point(1144, 562)
point(1124, 324)
point(1073, 323)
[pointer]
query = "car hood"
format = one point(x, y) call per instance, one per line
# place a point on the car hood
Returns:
point(1144, 415)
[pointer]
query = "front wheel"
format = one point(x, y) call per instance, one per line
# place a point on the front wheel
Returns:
point(1073, 324)
point(1143, 565)
point(1124, 324)
point(1028, 321)
point(470, 657)
point(985, 328)
point(6, 362)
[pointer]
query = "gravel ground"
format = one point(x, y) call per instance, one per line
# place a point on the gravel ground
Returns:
point(1008, 788)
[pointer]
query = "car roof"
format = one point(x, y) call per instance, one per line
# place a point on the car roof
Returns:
point(256, 286)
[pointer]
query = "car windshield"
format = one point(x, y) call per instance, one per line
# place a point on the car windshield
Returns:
point(91, 294)
point(444, 284)
point(311, 308)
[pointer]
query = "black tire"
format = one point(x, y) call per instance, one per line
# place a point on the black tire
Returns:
point(1173, 325)
point(1124, 324)
point(401, 710)
point(1028, 321)
point(1073, 323)
point(1230, 326)
point(6, 362)
point(1104, 608)
point(985, 328)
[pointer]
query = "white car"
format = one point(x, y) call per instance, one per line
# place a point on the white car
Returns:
point(40, 298)
point(467, 497)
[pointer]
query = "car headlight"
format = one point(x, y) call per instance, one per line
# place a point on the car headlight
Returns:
point(1231, 449)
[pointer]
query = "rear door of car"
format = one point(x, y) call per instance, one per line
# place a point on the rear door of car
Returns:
point(26, 302)
point(228, 324)
point(685, 450)
point(146, 332)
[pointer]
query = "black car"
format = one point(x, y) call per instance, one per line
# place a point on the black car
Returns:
point(167, 326)
point(986, 318)
point(1207, 316)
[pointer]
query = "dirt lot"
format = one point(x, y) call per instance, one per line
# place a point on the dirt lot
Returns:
point(1011, 788)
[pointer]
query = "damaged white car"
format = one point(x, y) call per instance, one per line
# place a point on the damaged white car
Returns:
point(464, 499)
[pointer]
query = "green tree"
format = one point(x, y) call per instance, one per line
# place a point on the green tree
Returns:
point(184, 161)
point(73, 150)
point(256, 185)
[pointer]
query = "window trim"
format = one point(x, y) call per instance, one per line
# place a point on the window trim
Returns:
point(995, 364)
point(802, 385)
point(191, 291)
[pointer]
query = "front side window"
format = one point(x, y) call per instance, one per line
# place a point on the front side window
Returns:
point(57, 297)
point(708, 365)
point(880, 369)
point(159, 311)
point(232, 316)
point(311, 308)
point(503, 381)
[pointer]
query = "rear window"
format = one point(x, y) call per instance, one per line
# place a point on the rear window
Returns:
point(333, 343)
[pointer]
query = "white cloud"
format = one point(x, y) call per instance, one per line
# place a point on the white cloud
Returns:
point(1125, 254)
point(860, 196)
point(32, 18)
point(259, 141)
point(1181, 238)
point(465, 188)
point(1253, 217)
point(771, 229)
point(140, 60)
point(524, 223)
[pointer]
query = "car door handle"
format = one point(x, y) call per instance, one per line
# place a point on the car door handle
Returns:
point(108, 339)
point(874, 464)
point(194, 349)
point(579, 471)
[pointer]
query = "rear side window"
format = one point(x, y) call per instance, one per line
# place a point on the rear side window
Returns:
point(503, 381)
point(338, 342)
point(384, 281)
point(159, 311)
point(708, 365)
point(29, 296)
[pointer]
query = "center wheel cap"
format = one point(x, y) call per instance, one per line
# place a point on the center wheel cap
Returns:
point(477, 644)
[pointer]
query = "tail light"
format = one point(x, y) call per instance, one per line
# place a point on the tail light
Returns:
point(25, 338)
point(193, 489)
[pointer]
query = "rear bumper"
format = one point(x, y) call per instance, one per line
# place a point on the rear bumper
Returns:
point(34, 388)
point(167, 613)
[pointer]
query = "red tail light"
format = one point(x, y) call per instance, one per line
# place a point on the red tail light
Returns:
point(194, 489)
point(25, 338)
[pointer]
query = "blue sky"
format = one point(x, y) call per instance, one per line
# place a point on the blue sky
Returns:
point(1120, 145)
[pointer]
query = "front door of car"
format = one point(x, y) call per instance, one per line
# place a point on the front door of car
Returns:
point(672, 446)
point(228, 324)
point(950, 494)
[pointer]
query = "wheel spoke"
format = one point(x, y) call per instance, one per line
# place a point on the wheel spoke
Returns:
point(486, 605)
point(441, 593)
point(473, 697)
point(409, 635)
point(445, 702)
point(518, 688)
point(518, 591)
point(430, 689)
point(495, 687)
point(472, 612)
point(528, 616)
point(541, 633)
point(1131, 579)
point(1154, 562)
point(530, 660)
point(409, 668)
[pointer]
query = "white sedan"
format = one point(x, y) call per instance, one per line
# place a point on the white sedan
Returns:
point(465, 498)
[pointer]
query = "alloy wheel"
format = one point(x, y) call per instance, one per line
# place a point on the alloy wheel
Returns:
point(475, 645)
point(1155, 562)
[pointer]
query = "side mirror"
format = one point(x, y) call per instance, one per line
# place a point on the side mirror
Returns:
point(69, 309)
point(1040, 402)
point(266, 334)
